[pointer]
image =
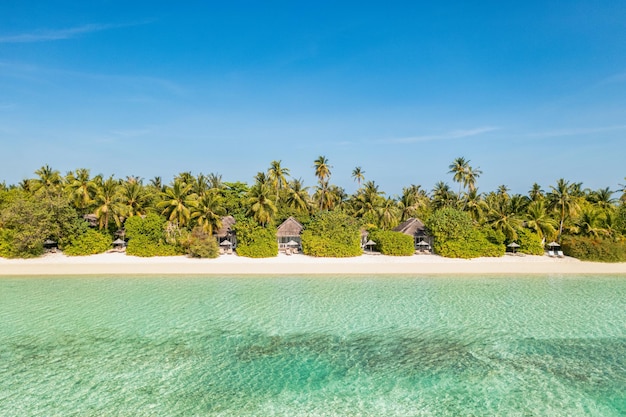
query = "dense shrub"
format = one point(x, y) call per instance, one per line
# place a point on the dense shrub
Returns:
point(393, 243)
point(90, 242)
point(529, 242)
point(27, 220)
point(456, 236)
point(594, 249)
point(204, 248)
point(332, 234)
point(146, 237)
point(254, 241)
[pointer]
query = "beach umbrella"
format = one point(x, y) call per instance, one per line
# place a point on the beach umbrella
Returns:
point(513, 246)
point(118, 242)
point(49, 242)
point(292, 243)
point(422, 243)
point(553, 244)
point(226, 243)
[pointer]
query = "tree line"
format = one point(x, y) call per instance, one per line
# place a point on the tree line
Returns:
point(199, 202)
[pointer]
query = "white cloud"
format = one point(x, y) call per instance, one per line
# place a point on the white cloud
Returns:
point(47, 35)
point(455, 134)
point(575, 131)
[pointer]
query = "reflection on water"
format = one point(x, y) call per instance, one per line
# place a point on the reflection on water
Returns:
point(334, 346)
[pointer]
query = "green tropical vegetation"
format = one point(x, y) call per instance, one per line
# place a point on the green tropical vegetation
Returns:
point(182, 215)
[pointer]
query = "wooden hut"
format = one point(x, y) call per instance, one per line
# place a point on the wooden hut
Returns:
point(415, 227)
point(226, 233)
point(289, 232)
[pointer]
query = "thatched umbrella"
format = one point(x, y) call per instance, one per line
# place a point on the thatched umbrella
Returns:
point(553, 244)
point(293, 243)
point(513, 246)
point(370, 243)
point(119, 243)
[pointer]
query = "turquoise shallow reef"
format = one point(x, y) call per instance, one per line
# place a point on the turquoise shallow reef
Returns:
point(313, 346)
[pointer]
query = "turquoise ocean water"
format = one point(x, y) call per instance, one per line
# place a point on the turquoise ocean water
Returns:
point(313, 346)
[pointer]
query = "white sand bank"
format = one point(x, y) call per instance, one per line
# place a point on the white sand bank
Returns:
point(119, 263)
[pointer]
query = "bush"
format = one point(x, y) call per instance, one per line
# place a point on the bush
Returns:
point(456, 236)
point(332, 234)
point(393, 243)
point(529, 242)
point(254, 241)
point(594, 249)
point(146, 237)
point(90, 242)
point(204, 248)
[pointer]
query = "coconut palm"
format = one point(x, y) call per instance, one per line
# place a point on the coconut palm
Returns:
point(261, 206)
point(603, 198)
point(81, 188)
point(48, 180)
point(298, 197)
point(135, 198)
point(589, 223)
point(368, 200)
point(412, 200)
point(471, 175)
point(538, 219)
point(157, 184)
point(322, 169)
point(562, 201)
point(108, 201)
point(358, 175)
point(443, 196)
point(503, 215)
point(201, 184)
point(622, 190)
point(176, 202)
point(458, 169)
point(474, 205)
point(388, 214)
point(277, 176)
point(536, 193)
point(215, 181)
point(209, 211)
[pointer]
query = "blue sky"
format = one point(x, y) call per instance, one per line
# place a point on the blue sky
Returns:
point(529, 92)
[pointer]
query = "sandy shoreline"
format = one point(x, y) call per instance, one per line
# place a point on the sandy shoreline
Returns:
point(119, 263)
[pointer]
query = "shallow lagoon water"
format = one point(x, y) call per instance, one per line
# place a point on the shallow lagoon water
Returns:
point(313, 346)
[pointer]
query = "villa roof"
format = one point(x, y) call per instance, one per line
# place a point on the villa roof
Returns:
point(227, 223)
point(411, 227)
point(290, 227)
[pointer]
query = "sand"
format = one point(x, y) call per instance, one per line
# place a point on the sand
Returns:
point(120, 263)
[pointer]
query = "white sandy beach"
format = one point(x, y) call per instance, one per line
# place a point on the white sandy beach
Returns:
point(120, 263)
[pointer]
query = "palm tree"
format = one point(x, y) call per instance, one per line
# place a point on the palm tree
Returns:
point(562, 200)
point(623, 191)
point(277, 176)
point(413, 199)
point(475, 205)
point(81, 188)
point(322, 169)
point(471, 175)
point(157, 183)
point(443, 196)
point(209, 211)
point(135, 198)
point(458, 168)
point(388, 214)
point(49, 179)
point(201, 185)
point(603, 198)
point(215, 180)
point(262, 208)
point(589, 223)
point(298, 197)
point(368, 201)
point(503, 215)
point(177, 202)
point(108, 201)
point(536, 193)
point(358, 175)
point(538, 219)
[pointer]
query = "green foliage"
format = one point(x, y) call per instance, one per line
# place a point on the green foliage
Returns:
point(147, 237)
point(393, 243)
point(456, 236)
point(529, 242)
point(202, 245)
point(620, 221)
point(594, 249)
point(27, 221)
point(88, 243)
point(255, 241)
point(332, 234)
